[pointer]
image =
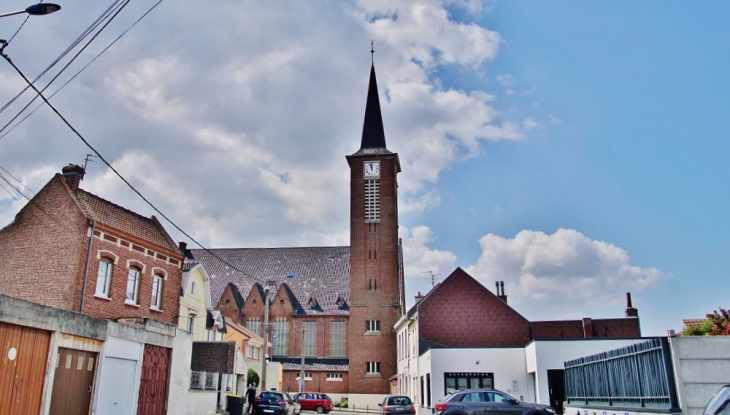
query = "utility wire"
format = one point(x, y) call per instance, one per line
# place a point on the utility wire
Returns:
point(78, 40)
point(7, 58)
point(16, 179)
point(64, 68)
point(32, 202)
point(75, 75)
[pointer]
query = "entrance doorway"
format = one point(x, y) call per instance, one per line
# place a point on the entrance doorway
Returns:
point(556, 385)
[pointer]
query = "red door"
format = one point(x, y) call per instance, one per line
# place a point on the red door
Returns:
point(73, 382)
point(153, 384)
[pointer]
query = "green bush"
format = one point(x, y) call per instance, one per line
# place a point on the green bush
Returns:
point(336, 404)
point(343, 405)
point(252, 378)
point(701, 330)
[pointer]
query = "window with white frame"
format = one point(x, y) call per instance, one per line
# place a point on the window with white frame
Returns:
point(337, 339)
point(191, 323)
point(132, 286)
point(104, 277)
point(373, 325)
point(257, 353)
point(157, 292)
point(309, 344)
point(280, 338)
point(254, 325)
point(249, 351)
point(373, 368)
point(307, 376)
point(213, 335)
point(192, 288)
point(334, 376)
point(372, 200)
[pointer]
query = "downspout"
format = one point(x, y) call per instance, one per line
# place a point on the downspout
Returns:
point(86, 269)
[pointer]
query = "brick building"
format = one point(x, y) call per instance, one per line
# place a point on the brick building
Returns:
point(335, 305)
point(444, 345)
point(71, 250)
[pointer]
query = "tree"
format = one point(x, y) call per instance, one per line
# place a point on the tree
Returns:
point(699, 329)
point(720, 323)
point(253, 377)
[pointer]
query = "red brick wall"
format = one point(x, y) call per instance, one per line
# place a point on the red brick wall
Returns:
point(573, 329)
point(124, 252)
point(461, 312)
point(43, 250)
point(373, 257)
point(319, 382)
point(228, 306)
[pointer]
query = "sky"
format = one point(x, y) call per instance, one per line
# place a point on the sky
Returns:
point(575, 150)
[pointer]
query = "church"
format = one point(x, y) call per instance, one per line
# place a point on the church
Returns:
point(333, 306)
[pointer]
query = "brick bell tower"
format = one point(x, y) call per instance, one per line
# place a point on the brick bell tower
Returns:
point(377, 299)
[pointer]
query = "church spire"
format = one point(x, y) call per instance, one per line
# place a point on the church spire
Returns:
point(373, 134)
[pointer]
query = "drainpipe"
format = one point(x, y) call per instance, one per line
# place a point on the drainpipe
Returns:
point(86, 270)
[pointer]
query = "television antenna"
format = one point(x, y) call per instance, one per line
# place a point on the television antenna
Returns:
point(433, 277)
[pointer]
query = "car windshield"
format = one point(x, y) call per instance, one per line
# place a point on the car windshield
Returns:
point(718, 405)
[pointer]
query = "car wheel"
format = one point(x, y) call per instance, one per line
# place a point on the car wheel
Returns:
point(320, 410)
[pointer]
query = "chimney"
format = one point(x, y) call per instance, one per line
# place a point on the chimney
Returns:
point(73, 174)
point(630, 311)
point(419, 297)
point(587, 328)
point(183, 246)
point(500, 291)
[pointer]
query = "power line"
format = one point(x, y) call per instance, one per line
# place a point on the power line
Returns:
point(7, 58)
point(75, 75)
point(31, 201)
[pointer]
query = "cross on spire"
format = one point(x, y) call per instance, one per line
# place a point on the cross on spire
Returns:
point(372, 52)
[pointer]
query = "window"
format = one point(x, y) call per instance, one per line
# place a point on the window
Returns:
point(249, 351)
point(373, 368)
point(373, 325)
point(372, 200)
point(157, 292)
point(132, 286)
point(307, 376)
point(337, 339)
point(280, 338)
point(334, 376)
point(456, 381)
point(104, 278)
point(191, 323)
point(257, 353)
point(254, 325)
point(192, 289)
point(309, 344)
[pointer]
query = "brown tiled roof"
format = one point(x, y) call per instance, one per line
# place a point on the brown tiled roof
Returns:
point(693, 322)
point(322, 274)
point(117, 217)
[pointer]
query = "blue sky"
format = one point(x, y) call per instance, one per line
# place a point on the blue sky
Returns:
point(574, 149)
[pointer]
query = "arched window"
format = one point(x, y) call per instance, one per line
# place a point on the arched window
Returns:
point(104, 277)
point(157, 291)
point(132, 286)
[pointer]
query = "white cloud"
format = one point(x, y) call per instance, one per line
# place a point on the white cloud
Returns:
point(421, 262)
point(564, 273)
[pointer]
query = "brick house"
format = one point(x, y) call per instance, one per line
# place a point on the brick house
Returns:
point(335, 305)
point(72, 250)
point(444, 345)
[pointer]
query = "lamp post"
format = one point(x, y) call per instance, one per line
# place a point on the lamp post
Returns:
point(36, 10)
point(266, 334)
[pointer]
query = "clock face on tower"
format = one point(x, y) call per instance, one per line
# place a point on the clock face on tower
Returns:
point(372, 169)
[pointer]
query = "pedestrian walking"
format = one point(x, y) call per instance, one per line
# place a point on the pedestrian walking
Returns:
point(251, 399)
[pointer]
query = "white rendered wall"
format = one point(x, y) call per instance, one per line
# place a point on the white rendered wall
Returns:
point(544, 355)
point(701, 367)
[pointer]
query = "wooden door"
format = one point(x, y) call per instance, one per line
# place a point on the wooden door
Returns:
point(73, 382)
point(23, 360)
point(153, 383)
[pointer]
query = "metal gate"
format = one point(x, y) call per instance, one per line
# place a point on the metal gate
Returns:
point(73, 382)
point(153, 383)
point(22, 367)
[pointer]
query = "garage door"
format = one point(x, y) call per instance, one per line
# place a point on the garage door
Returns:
point(23, 360)
point(116, 387)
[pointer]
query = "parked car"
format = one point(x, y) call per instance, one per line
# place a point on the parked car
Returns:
point(313, 401)
point(719, 404)
point(397, 405)
point(275, 403)
point(494, 402)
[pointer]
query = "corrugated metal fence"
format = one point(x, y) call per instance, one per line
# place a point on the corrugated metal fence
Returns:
point(639, 375)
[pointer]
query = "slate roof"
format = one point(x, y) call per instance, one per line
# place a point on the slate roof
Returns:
point(117, 217)
point(373, 133)
point(323, 274)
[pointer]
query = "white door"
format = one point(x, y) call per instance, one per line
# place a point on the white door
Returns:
point(116, 390)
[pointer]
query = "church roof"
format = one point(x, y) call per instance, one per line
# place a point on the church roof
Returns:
point(317, 277)
point(373, 133)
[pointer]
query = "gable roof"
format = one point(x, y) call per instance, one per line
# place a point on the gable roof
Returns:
point(322, 273)
point(117, 217)
point(253, 337)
